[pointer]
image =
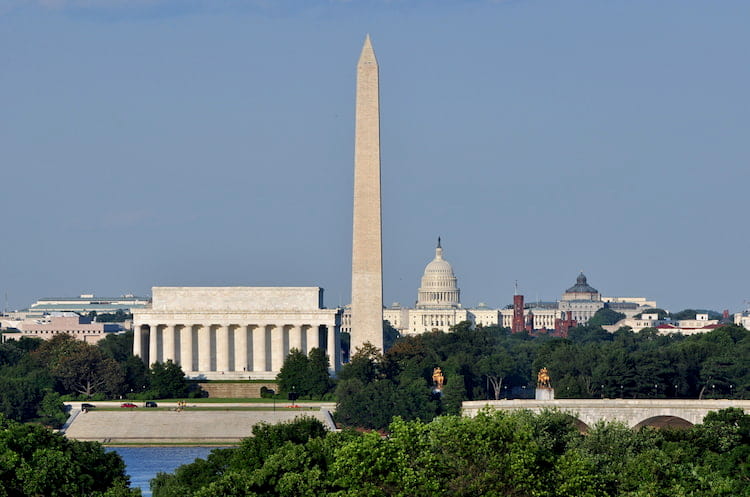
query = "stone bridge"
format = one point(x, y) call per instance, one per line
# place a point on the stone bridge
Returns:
point(633, 412)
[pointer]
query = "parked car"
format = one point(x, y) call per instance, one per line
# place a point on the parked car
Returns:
point(150, 404)
point(86, 406)
point(128, 405)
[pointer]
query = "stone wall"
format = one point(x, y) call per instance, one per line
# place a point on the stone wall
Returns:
point(244, 390)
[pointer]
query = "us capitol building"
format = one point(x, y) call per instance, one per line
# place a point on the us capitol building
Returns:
point(438, 306)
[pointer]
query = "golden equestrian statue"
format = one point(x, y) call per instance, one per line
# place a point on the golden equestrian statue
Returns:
point(438, 378)
point(543, 379)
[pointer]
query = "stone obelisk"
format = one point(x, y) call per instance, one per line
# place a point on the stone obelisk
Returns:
point(367, 259)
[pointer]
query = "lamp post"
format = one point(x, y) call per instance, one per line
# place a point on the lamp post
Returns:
point(730, 391)
point(602, 391)
point(622, 395)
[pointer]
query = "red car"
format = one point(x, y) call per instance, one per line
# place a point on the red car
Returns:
point(128, 404)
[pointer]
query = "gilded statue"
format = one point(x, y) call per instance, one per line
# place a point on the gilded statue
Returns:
point(438, 378)
point(543, 379)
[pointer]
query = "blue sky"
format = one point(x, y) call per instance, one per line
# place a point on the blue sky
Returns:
point(211, 143)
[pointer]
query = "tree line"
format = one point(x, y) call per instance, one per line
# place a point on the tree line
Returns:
point(36, 376)
point(492, 363)
point(34, 461)
point(496, 453)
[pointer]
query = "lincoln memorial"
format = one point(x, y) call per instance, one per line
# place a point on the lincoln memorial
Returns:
point(234, 332)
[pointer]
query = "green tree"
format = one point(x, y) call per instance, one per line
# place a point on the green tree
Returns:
point(453, 394)
point(496, 367)
point(293, 373)
point(87, 371)
point(118, 346)
point(81, 368)
point(366, 364)
point(605, 316)
point(167, 380)
point(136, 375)
point(51, 410)
point(319, 379)
point(390, 335)
point(305, 375)
point(37, 462)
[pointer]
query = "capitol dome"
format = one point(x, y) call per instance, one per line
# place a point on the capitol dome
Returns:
point(439, 289)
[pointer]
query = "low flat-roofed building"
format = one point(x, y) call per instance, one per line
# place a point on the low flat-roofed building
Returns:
point(80, 328)
point(86, 303)
point(742, 319)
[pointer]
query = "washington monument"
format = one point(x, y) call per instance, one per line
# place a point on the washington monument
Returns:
point(367, 258)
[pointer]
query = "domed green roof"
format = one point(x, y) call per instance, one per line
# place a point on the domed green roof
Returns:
point(581, 286)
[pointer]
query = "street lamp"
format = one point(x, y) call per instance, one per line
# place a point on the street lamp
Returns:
point(602, 391)
point(622, 396)
point(730, 391)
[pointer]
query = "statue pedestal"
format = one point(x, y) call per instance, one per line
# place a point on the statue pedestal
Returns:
point(545, 393)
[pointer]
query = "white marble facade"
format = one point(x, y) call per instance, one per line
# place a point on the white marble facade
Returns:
point(234, 332)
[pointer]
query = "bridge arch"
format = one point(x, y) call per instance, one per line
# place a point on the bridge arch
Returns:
point(673, 422)
point(580, 425)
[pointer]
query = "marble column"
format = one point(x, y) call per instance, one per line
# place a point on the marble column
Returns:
point(153, 344)
point(259, 348)
point(137, 341)
point(333, 348)
point(241, 362)
point(168, 343)
point(295, 338)
point(222, 348)
point(204, 348)
point(277, 347)
point(186, 348)
point(312, 339)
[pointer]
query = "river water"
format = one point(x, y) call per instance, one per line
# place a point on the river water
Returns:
point(144, 462)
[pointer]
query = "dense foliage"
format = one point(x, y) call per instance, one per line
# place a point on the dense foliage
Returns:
point(27, 389)
point(501, 454)
point(306, 375)
point(491, 363)
point(119, 316)
point(34, 461)
point(36, 375)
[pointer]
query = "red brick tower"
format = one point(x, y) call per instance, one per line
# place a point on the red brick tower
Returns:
point(518, 321)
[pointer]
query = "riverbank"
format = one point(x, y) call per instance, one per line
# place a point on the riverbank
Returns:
point(196, 426)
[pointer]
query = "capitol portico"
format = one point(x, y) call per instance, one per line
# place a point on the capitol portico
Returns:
point(234, 332)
